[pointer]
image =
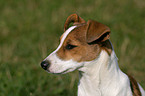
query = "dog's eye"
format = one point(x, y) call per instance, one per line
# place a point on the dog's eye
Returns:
point(69, 46)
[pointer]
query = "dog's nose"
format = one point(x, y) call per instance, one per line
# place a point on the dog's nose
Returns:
point(45, 64)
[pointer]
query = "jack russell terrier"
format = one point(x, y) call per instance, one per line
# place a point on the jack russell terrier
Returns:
point(85, 46)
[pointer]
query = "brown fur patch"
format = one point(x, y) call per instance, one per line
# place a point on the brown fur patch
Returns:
point(134, 86)
point(96, 30)
point(74, 18)
point(106, 45)
point(83, 51)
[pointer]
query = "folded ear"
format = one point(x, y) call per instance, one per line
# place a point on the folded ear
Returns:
point(97, 32)
point(75, 19)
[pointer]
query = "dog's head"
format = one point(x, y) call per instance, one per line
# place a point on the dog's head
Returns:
point(79, 44)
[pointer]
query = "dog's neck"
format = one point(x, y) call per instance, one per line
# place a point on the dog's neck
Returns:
point(101, 77)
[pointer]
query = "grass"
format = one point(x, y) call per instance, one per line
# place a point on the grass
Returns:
point(30, 30)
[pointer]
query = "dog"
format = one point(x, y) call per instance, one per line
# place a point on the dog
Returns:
point(85, 46)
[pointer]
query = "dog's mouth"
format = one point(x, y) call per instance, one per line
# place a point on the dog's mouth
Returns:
point(63, 72)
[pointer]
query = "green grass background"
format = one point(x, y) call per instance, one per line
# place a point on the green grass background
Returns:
point(30, 30)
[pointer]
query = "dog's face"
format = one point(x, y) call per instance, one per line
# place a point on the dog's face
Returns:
point(79, 45)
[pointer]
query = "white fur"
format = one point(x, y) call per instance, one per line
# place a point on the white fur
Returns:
point(59, 66)
point(142, 90)
point(100, 77)
point(103, 77)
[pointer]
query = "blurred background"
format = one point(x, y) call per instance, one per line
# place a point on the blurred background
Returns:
point(30, 30)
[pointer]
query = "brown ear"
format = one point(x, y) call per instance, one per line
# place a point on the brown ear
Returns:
point(74, 18)
point(97, 32)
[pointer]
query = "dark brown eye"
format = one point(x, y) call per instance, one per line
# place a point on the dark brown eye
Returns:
point(69, 46)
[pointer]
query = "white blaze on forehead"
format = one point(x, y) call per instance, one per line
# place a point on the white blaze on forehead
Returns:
point(65, 34)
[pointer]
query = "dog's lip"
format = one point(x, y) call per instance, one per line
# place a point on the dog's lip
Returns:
point(63, 72)
point(58, 73)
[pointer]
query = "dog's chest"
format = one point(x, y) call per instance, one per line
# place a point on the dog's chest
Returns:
point(86, 88)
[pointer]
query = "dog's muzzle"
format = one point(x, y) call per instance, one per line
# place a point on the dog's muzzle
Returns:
point(45, 64)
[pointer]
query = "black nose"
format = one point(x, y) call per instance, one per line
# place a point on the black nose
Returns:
point(45, 64)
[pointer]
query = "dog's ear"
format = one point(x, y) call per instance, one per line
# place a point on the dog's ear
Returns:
point(97, 32)
point(75, 19)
